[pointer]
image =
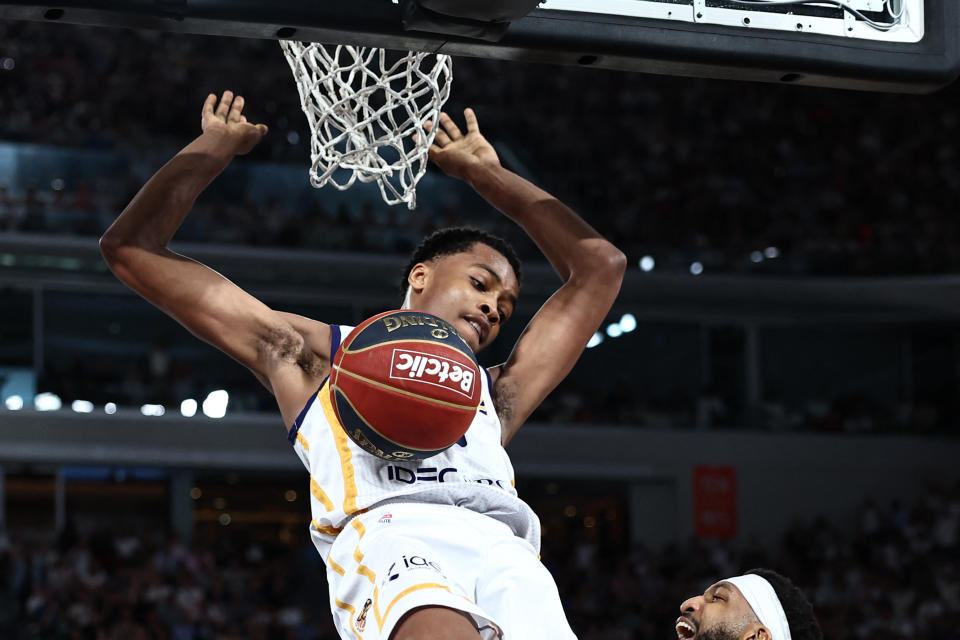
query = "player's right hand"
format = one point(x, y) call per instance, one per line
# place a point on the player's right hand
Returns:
point(226, 121)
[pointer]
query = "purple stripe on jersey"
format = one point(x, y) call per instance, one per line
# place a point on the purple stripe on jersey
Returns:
point(334, 345)
point(292, 433)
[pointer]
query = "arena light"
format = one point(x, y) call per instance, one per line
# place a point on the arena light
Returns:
point(215, 404)
point(82, 406)
point(596, 339)
point(110, 408)
point(771, 252)
point(47, 401)
point(696, 268)
point(756, 256)
point(153, 410)
point(614, 330)
point(188, 408)
point(628, 322)
point(647, 263)
point(14, 403)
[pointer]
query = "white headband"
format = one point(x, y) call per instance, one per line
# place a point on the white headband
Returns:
point(764, 601)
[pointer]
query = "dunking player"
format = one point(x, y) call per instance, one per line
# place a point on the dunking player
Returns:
point(443, 548)
point(759, 605)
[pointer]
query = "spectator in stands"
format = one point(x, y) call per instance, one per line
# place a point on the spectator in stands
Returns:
point(691, 199)
point(893, 575)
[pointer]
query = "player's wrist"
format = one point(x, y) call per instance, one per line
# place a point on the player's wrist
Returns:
point(480, 174)
point(219, 143)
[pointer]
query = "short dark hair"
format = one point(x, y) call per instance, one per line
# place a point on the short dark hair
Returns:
point(803, 623)
point(451, 240)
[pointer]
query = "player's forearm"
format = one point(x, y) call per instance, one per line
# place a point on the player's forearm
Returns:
point(159, 208)
point(571, 245)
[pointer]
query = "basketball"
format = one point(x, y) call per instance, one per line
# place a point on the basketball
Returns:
point(405, 385)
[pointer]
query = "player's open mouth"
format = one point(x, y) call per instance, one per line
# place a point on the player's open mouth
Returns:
point(685, 630)
point(476, 327)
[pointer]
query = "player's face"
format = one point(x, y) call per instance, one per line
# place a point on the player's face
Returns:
point(475, 291)
point(719, 614)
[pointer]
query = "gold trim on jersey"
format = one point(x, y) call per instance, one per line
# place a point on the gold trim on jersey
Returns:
point(362, 569)
point(343, 450)
point(320, 494)
point(337, 568)
point(349, 609)
point(330, 531)
point(303, 441)
point(359, 527)
point(401, 595)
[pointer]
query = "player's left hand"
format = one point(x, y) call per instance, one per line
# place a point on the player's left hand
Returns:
point(456, 153)
point(226, 123)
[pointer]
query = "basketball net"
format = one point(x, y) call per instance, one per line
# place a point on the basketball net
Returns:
point(365, 106)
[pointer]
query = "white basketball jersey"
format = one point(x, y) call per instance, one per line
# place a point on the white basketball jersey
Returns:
point(475, 473)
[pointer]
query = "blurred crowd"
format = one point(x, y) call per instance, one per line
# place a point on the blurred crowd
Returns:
point(227, 215)
point(124, 586)
point(679, 169)
point(160, 378)
point(894, 573)
point(710, 408)
point(164, 378)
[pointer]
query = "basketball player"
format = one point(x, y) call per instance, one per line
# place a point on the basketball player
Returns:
point(444, 548)
point(759, 605)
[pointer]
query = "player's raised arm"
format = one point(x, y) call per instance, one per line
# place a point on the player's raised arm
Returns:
point(275, 346)
point(591, 269)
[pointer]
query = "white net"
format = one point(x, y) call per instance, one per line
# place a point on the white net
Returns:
point(364, 106)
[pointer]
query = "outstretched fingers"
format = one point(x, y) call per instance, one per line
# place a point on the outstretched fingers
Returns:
point(224, 107)
point(208, 105)
point(449, 127)
point(472, 125)
point(235, 109)
point(441, 139)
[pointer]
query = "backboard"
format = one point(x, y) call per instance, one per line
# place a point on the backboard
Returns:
point(884, 45)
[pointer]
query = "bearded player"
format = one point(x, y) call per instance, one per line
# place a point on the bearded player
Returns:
point(443, 548)
point(759, 605)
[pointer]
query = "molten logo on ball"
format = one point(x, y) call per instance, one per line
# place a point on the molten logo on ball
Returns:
point(432, 369)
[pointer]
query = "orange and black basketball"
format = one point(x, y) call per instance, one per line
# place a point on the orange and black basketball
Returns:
point(405, 385)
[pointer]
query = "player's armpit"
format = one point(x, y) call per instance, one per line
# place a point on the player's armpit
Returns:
point(315, 334)
point(553, 341)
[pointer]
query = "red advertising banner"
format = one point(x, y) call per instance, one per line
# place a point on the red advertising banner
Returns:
point(715, 501)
